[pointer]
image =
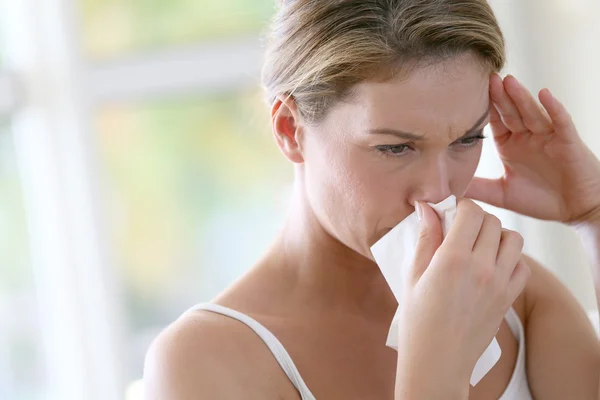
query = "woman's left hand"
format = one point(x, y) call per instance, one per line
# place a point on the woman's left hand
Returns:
point(549, 171)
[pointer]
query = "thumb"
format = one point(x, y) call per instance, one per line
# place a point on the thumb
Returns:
point(430, 238)
point(490, 191)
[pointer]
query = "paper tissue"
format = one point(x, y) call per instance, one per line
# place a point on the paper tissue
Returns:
point(394, 254)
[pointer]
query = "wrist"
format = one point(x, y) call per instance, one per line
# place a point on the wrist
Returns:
point(441, 382)
point(431, 390)
point(588, 231)
point(590, 224)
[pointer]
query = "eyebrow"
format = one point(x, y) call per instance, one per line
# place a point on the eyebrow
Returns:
point(412, 136)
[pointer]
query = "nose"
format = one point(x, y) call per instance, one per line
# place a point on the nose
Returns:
point(433, 181)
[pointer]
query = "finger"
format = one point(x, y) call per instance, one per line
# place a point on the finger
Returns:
point(533, 115)
point(518, 280)
point(488, 241)
point(498, 128)
point(505, 106)
point(430, 238)
point(509, 253)
point(563, 123)
point(466, 226)
point(490, 191)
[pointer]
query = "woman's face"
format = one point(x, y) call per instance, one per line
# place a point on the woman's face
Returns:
point(370, 159)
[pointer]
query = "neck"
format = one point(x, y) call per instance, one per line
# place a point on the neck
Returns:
point(327, 274)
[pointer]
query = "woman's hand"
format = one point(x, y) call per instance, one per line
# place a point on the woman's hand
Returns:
point(549, 172)
point(454, 301)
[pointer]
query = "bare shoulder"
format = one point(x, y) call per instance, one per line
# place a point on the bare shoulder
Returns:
point(563, 353)
point(546, 297)
point(192, 356)
point(544, 290)
point(206, 355)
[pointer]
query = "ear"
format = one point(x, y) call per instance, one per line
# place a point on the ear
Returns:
point(287, 128)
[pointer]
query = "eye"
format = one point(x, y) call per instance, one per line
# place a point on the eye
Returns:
point(471, 141)
point(393, 150)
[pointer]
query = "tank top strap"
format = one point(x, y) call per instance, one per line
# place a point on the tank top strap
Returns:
point(518, 386)
point(281, 355)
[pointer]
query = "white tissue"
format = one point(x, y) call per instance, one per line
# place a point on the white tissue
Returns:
point(394, 254)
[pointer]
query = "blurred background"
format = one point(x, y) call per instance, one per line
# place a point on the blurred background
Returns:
point(138, 175)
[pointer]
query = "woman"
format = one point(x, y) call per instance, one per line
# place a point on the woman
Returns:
point(380, 106)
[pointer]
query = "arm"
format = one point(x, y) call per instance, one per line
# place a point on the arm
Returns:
point(563, 352)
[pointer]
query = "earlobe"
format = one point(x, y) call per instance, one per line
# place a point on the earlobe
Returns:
point(287, 129)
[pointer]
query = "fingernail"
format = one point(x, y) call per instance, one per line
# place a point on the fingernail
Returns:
point(419, 209)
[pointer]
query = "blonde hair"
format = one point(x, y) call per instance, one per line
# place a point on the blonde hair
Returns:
point(319, 49)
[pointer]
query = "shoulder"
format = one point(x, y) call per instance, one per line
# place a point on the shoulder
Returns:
point(546, 297)
point(563, 353)
point(209, 354)
point(545, 290)
point(540, 276)
point(191, 355)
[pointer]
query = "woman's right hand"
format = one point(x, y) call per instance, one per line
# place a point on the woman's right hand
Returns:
point(458, 292)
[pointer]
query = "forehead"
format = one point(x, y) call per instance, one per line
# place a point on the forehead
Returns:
point(448, 96)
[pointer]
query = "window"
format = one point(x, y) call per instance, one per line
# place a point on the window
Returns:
point(22, 373)
point(192, 190)
point(114, 28)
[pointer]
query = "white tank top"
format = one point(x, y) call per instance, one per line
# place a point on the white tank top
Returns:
point(517, 389)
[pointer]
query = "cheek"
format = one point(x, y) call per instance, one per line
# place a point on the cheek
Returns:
point(343, 186)
point(333, 188)
point(349, 196)
point(384, 192)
